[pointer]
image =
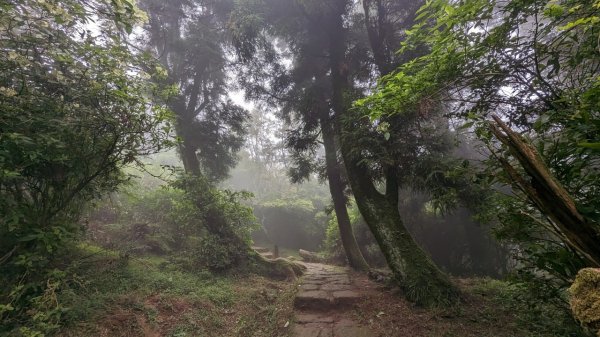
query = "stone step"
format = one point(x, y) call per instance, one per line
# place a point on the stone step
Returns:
point(348, 328)
point(260, 249)
point(321, 300)
point(313, 330)
point(313, 300)
point(304, 317)
point(344, 298)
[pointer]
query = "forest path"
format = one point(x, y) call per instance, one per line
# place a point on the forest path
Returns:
point(321, 306)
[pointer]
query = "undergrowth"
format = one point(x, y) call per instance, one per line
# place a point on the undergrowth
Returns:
point(539, 317)
point(111, 294)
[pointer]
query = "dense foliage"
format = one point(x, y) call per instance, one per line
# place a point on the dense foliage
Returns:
point(174, 220)
point(292, 223)
point(75, 107)
point(535, 65)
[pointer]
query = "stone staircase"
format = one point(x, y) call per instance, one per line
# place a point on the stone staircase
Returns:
point(323, 302)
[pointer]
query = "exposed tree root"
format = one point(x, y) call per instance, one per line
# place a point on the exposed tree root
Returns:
point(279, 268)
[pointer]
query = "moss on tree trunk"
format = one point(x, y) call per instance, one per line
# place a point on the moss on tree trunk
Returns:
point(416, 274)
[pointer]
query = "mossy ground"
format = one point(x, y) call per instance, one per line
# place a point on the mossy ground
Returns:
point(149, 296)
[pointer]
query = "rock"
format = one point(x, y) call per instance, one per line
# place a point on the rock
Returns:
point(335, 287)
point(309, 256)
point(339, 280)
point(309, 286)
point(260, 249)
point(585, 298)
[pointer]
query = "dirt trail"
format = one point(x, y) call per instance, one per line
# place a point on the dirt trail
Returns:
point(321, 306)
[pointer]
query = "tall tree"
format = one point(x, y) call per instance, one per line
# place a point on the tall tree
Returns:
point(303, 93)
point(422, 281)
point(189, 37)
point(413, 270)
point(386, 22)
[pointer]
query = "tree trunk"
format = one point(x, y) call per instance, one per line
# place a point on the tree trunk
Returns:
point(190, 161)
point(376, 33)
point(422, 282)
point(420, 279)
point(187, 152)
point(336, 188)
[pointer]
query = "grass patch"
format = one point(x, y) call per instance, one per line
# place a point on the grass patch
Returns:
point(114, 295)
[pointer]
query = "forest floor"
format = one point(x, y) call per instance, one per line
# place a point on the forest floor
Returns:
point(334, 302)
point(155, 296)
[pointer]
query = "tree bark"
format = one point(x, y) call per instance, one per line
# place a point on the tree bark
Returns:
point(187, 151)
point(336, 188)
point(190, 161)
point(422, 282)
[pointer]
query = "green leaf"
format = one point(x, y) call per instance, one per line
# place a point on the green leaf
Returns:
point(466, 125)
point(593, 146)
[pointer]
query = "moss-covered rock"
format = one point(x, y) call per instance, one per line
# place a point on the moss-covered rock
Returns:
point(585, 298)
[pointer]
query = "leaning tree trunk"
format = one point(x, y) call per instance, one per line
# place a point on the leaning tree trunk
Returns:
point(415, 273)
point(548, 194)
point(420, 279)
point(336, 187)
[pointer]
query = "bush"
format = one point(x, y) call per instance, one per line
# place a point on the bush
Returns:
point(542, 317)
point(189, 217)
